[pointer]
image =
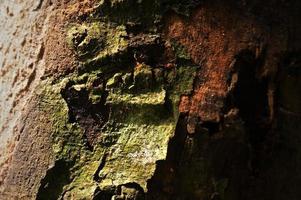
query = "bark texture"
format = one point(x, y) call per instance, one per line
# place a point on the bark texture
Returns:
point(150, 99)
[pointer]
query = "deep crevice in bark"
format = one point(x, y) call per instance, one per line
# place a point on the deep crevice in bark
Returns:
point(100, 167)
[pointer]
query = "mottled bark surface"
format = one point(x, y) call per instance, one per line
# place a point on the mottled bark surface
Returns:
point(150, 99)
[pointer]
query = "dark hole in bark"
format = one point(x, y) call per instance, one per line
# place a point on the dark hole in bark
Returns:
point(91, 117)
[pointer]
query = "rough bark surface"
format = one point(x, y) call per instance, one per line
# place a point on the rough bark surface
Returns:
point(150, 99)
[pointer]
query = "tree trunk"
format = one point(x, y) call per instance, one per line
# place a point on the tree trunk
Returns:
point(150, 99)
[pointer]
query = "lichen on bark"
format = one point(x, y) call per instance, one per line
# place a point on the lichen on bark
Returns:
point(113, 118)
point(162, 99)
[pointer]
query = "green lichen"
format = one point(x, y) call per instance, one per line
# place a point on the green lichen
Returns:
point(115, 81)
point(149, 98)
point(137, 96)
point(146, 14)
point(143, 77)
point(179, 50)
point(65, 135)
point(86, 38)
point(68, 145)
point(144, 127)
point(134, 138)
point(180, 82)
point(96, 40)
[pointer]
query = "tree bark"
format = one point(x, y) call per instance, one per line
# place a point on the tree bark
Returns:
point(150, 99)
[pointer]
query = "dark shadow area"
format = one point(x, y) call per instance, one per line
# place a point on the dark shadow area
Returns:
point(56, 178)
point(128, 191)
point(250, 97)
point(163, 183)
